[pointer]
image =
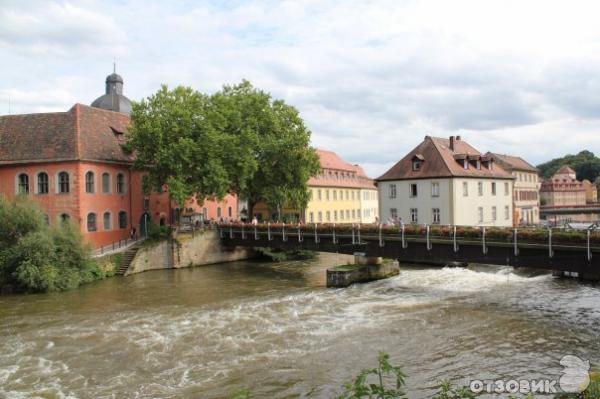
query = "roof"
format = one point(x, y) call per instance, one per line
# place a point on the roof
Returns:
point(442, 161)
point(565, 170)
point(81, 133)
point(347, 176)
point(511, 162)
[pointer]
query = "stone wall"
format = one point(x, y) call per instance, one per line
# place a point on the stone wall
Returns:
point(185, 250)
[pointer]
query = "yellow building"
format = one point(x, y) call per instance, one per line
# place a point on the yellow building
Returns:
point(341, 193)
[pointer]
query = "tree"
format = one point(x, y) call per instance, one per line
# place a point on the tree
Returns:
point(269, 154)
point(177, 146)
point(585, 164)
point(239, 140)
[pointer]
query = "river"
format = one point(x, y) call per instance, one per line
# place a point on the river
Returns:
point(275, 329)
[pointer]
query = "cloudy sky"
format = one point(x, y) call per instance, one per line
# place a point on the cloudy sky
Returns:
point(371, 78)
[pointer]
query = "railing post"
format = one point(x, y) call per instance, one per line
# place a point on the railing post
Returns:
point(113, 245)
point(230, 229)
point(333, 236)
point(299, 233)
point(381, 242)
point(316, 235)
point(221, 234)
point(455, 246)
point(269, 231)
point(353, 239)
point(358, 235)
point(283, 237)
point(516, 248)
point(255, 232)
point(243, 232)
point(484, 247)
point(550, 252)
point(427, 239)
point(404, 244)
point(589, 251)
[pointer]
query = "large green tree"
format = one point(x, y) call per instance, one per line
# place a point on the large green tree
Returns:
point(237, 140)
point(586, 164)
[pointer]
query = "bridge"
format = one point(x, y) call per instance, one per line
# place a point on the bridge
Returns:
point(574, 254)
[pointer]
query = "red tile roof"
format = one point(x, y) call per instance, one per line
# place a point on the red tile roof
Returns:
point(81, 133)
point(335, 172)
point(511, 162)
point(439, 160)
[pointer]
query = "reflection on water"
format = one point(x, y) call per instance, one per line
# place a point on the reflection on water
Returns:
point(274, 328)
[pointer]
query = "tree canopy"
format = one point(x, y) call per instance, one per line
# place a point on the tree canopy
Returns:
point(586, 164)
point(237, 140)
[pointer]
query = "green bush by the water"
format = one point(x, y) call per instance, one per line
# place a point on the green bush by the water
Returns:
point(35, 257)
point(277, 255)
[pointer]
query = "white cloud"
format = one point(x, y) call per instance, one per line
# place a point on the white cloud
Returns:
point(371, 78)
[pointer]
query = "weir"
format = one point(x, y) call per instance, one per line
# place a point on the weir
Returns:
point(580, 257)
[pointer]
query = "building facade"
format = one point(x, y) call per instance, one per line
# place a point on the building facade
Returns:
point(563, 189)
point(341, 193)
point(73, 166)
point(591, 192)
point(527, 184)
point(446, 181)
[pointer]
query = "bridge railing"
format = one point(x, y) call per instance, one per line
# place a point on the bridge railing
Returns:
point(483, 234)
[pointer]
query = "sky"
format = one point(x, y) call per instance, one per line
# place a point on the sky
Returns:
point(370, 78)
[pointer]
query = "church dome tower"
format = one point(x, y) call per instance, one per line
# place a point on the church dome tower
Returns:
point(113, 99)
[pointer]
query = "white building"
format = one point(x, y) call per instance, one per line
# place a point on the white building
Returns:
point(446, 181)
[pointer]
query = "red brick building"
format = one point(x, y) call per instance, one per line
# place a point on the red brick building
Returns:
point(73, 166)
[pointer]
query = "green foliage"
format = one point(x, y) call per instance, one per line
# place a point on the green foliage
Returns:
point(157, 232)
point(277, 255)
point(241, 394)
point(449, 391)
point(237, 140)
point(586, 164)
point(371, 383)
point(37, 258)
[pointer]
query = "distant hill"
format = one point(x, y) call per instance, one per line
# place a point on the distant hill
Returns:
point(586, 164)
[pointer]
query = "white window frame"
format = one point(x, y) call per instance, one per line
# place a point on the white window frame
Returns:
point(436, 215)
point(392, 191)
point(435, 189)
point(414, 215)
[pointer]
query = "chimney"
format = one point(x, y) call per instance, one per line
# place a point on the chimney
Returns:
point(452, 143)
point(457, 138)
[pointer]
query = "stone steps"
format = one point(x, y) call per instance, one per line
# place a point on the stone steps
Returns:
point(126, 259)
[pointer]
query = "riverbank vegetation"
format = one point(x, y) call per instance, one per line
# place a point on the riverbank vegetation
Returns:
point(277, 255)
point(238, 140)
point(35, 257)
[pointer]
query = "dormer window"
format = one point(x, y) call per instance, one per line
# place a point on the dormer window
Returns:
point(478, 164)
point(465, 164)
point(417, 161)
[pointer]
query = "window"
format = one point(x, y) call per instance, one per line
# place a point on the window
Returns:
point(347, 214)
point(319, 195)
point(494, 215)
point(219, 212)
point(89, 182)
point(122, 220)
point(493, 188)
point(335, 195)
point(64, 218)
point(23, 188)
point(347, 195)
point(414, 215)
point(466, 164)
point(42, 183)
point(413, 190)
point(479, 188)
point(480, 214)
point(105, 183)
point(328, 216)
point(436, 215)
point(326, 195)
point(342, 215)
point(394, 213)
point(353, 214)
point(120, 183)
point(416, 164)
point(478, 164)
point(311, 217)
point(320, 216)
point(392, 191)
point(435, 189)
point(465, 189)
point(205, 213)
point(147, 203)
point(506, 187)
point(91, 222)
point(506, 212)
point(335, 215)
point(106, 221)
point(230, 212)
point(63, 183)
point(352, 195)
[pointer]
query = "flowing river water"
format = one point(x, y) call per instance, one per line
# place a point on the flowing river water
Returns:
point(275, 329)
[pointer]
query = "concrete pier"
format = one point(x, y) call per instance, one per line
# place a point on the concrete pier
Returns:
point(363, 270)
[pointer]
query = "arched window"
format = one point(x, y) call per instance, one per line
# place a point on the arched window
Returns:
point(63, 183)
point(91, 222)
point(105, 183)
point(89, 182)
point(120, 183)
point(23, 184)
point(229, 212)
point(64, 218)
point(106, 221)
point(219, 212)
point(42, 183)
point(122, 220)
